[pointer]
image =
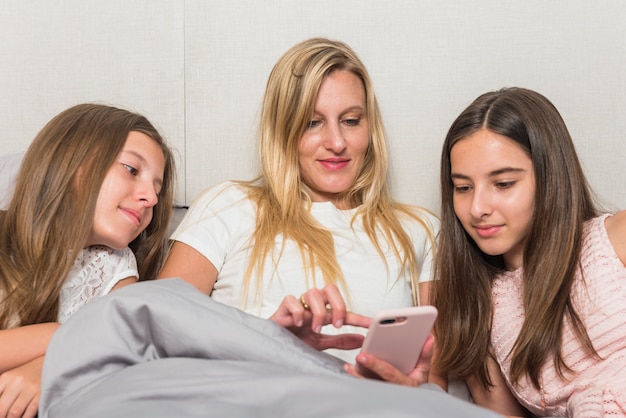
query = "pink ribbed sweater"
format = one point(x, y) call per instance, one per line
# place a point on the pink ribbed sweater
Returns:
point(599, 387)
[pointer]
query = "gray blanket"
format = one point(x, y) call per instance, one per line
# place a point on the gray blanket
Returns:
point(163, 349)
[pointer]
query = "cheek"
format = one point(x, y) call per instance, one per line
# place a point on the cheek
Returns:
point(306, 155)
point(457, 206)
point(303, 169)
point(358, 154)
point(361, 142)
point(148, 218)
point(363, 152)
point(307, 145)
point(523, 205)
point(526, 215)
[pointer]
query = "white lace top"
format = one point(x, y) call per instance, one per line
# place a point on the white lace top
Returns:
point(94, 273)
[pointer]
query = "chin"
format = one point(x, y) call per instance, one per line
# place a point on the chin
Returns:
point(491, 251)
point(117, 245)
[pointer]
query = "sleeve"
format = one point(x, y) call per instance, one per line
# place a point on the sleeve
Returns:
point(94, 274)
point(606, 399)
point(215, 221)
point(425, 243)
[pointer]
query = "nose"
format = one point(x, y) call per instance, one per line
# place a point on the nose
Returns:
point(148, 195)
point(481, 203)
point(335, 140)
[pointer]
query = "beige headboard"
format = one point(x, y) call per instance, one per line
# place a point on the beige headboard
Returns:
point(197, 69)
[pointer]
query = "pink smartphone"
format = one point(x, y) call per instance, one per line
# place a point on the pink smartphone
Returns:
point(398, 335)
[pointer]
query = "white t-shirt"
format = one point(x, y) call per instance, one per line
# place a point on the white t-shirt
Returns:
point(220, 225)
point(94, 273)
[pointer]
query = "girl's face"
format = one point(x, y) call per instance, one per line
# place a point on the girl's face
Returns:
point(332, 149)
point(494, 190)
point(129, 192)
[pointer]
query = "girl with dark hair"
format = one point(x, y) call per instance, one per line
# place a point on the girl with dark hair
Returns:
point(531, 275)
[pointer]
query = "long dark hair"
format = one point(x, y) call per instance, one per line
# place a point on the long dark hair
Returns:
point(563, 202)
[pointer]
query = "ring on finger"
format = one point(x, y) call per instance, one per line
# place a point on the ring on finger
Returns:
point(304, 304)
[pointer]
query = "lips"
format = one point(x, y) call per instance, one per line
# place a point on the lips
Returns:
point(486, 231)
point(334, 163)
point(133, 215)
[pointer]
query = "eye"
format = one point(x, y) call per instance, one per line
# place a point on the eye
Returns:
point(463, 188)
point(132, 170)
point(314, 123)
point(505, 184)
point(352, 121)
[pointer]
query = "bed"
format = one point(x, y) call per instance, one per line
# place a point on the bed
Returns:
point(163, 349)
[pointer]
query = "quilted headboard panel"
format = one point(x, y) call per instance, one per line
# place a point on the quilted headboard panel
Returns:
point(9, 166)
point(197, 69)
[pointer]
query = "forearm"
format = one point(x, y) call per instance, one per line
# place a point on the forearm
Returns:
point(424, 293)
point(498, 398)
point(21, 345)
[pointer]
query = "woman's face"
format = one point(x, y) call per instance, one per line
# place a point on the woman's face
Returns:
point(129, 193)
point(493, 193)
point(332, 149)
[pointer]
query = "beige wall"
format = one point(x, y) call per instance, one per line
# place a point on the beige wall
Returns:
point(198, 68)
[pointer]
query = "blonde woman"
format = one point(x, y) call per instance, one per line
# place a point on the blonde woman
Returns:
point(318, 221)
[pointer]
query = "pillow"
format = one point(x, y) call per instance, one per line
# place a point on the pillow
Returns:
point(9, 167)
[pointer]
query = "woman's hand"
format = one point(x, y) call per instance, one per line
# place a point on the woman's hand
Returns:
point(20, 389)
point(388, 373)
point(315, 308)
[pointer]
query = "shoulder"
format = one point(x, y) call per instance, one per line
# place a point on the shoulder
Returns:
point(419, 221)
point(100, 266)
point(95, 272)
point(221, 194)
point(222, 208)
point(616, 230)
point(616, 222)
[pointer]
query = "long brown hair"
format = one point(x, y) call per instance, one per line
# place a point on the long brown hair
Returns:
point(279, 192)
point(51, 213)
point(563, 202)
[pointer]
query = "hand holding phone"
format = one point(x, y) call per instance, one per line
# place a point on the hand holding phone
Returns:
point(398, 336)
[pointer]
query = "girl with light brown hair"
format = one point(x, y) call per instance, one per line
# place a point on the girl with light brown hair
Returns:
point(90, 213)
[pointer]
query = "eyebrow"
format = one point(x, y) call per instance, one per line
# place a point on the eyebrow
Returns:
point(493, 173)
point(141, 158)
point(355, 108)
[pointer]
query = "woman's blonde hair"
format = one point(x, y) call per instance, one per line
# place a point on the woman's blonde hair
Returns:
point(279, 192)
point(51, 213)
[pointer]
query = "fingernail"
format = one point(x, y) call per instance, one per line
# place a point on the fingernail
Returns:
point(318, 329)
point(338, 323)
point(299, 323)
